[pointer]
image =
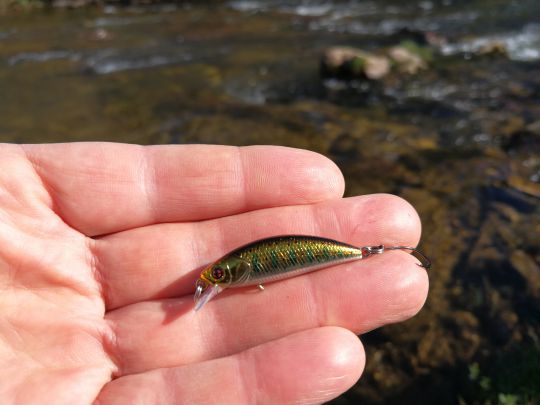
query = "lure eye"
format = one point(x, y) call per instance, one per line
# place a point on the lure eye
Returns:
point(218, 273)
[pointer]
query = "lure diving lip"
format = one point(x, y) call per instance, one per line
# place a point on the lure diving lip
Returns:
point(281, 257)
point(204, 293)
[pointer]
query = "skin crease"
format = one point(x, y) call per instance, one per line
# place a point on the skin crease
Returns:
point(100, 247)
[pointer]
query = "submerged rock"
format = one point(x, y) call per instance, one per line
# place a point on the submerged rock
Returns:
point(525, 186)
point(534, 128)
point(527, 268)
point(345, 146)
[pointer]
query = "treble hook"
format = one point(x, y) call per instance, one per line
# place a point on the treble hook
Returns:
point(424, 261)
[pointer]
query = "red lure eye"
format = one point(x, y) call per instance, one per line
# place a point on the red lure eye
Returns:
point(218, 273)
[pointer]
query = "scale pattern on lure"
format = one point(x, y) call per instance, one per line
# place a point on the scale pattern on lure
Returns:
point(278, 258)
point(282, 257)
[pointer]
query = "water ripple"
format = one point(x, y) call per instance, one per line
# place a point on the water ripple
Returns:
point(124, 21)
point(42, 56)
point(522, 45)
point(111, 60)
point(105, 61)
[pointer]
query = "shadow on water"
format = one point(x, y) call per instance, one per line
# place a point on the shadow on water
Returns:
point(458, 138)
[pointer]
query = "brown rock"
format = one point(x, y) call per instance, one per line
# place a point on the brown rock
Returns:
point(495, 48)
point(407, 61)
point(534, 128)
point(351, 62)
point(525, 186)
point(376, 67)
point(335, 57)
point(526, 266)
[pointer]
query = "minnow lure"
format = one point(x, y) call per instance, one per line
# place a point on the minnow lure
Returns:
point(278, 258)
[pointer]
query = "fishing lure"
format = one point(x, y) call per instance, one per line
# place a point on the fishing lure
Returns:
point(278, 258)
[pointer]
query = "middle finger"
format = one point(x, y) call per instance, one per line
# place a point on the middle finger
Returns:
point(162, 261)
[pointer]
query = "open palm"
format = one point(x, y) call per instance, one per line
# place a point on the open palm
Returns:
point(100, 246)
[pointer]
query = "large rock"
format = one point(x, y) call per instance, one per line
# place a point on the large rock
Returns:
point(349, 63)
point(409, 57)
point(345, 62)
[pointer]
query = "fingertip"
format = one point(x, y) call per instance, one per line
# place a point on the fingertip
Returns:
point(389, 219)
point(326, 361)
point(325, 175)
point(346, 356)
point(411, 289)
point(304, 176)
point(405, 288)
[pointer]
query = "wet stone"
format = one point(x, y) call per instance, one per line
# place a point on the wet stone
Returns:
point(525, 186)
point(529, 270)
point(407, 61)
point(349, 63)
point(534, 128)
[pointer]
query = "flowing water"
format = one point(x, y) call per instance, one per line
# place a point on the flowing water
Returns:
point(459, 140)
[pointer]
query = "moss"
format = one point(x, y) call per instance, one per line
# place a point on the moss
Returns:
point(425, 53)
point(357, 66)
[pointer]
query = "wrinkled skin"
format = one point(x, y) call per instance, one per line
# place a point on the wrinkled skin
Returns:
point(100, 246)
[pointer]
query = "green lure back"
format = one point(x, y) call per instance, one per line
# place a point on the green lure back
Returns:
point(286, 256)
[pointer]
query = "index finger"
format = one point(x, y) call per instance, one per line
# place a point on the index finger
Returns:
point(100, 188)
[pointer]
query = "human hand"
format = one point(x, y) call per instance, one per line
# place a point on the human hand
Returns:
point(100, 247)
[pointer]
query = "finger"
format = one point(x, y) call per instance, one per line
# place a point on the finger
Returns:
point(162, 261)
point(99, 188)
point(310, 367)
point(359, 296)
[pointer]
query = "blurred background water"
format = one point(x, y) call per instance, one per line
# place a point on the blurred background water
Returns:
point(457, 134)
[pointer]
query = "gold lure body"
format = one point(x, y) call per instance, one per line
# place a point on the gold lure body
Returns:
point(278, 258)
